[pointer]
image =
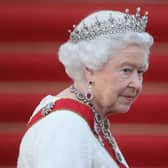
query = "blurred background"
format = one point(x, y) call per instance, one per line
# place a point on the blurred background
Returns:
point(30, 34)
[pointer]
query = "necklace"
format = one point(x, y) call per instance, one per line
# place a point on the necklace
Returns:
point(100, 126)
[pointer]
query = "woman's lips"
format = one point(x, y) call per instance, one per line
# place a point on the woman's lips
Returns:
point(129, 98)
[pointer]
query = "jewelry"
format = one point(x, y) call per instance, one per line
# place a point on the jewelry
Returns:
point(128, 23)
point(100, 126)
point(47, 109)
point(89, 94)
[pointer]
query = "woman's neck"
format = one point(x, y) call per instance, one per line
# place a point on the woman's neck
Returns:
point(82, 88)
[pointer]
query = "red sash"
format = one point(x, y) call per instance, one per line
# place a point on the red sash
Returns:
point(81, 109)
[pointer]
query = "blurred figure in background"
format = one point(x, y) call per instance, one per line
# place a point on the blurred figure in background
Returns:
point(106, 56)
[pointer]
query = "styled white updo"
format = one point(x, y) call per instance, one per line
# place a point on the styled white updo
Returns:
point(95, 53)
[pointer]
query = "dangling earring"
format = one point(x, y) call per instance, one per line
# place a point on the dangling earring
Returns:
point(89, 94)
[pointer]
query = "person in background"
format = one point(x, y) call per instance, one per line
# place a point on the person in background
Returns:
point(106, 56)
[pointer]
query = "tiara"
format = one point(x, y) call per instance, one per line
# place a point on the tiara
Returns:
point(129, 23)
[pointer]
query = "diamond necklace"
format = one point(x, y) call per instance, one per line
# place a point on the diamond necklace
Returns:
point(100, 126)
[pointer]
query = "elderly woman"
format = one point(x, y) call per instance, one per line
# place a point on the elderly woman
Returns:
point(106, 56)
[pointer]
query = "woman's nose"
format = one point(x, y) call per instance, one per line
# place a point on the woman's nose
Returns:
point(136, 81)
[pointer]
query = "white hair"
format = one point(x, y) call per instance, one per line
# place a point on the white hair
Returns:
point(95, 53)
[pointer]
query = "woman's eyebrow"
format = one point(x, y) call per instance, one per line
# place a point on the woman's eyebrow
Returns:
point(145, 66)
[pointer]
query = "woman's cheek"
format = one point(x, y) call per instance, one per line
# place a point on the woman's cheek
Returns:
point(122, 76)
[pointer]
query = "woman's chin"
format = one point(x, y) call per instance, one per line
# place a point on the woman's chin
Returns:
point(124, 109)
point(120, 109)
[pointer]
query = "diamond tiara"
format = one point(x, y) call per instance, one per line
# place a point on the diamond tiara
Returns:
point(129, 23)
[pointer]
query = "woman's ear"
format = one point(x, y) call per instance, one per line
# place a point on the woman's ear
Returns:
point(88, 73)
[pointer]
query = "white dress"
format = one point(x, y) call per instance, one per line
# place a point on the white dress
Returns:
point(62, 139)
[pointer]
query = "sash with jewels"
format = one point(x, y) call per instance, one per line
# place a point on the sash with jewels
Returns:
point(101, 132)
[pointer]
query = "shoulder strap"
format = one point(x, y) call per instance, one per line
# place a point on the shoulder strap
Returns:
point(64, 104)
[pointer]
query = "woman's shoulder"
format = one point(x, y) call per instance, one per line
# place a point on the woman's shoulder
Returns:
point(60, 118)
point(65, 120)
point(60, 127)
point(44, 101)
point(63, 131)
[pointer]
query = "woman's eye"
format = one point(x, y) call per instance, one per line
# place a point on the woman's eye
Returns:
point(140, 72)
point(127, 70)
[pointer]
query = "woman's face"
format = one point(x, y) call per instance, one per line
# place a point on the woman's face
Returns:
point(119, 83)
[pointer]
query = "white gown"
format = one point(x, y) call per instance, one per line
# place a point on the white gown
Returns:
point(62, 139)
